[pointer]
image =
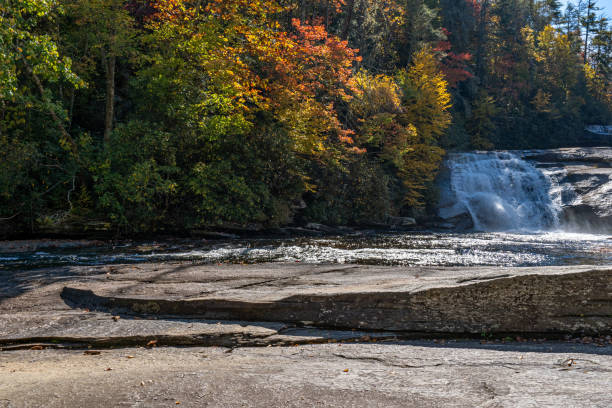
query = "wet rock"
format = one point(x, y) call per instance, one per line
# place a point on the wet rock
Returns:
point(42, 244)
point(601, 156)
point(214, 234)
point(400, 222)
point(300, 232)
point(320, 227)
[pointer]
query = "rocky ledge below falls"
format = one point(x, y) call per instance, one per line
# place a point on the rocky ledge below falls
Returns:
point(189, 304)
point(585, 181)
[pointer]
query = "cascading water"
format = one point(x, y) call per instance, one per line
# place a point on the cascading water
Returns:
point(501, 192)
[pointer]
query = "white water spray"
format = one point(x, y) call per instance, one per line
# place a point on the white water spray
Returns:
point(501, 192)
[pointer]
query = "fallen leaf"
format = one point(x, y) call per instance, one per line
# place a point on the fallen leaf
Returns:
point(152, 343)
point(108, 369)
point(37, 348)
point(130, 356)
point(177, 402)
point(346, 370)
point(91, 352)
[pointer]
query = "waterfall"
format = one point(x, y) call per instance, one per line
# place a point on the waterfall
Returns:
point(500, 192)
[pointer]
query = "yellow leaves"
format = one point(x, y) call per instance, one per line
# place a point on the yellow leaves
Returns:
point(402, 118)
point(426, 96)
point(597, 84)
point(375, 94)
point(528, 36)
point(541, 101)
point(589, 73)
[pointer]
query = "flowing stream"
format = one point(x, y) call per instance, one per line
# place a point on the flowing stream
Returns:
point(514, 208)
point(413, 249)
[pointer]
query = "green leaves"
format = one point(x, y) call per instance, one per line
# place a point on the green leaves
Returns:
point(24, 43)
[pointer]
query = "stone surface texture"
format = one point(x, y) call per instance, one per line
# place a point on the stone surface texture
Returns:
point(585, 179)
point(400, 374)
point(109, 343)
point(181, 303)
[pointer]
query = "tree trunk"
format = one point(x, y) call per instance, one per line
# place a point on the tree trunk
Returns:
point(349, 18)
point(586, 29)
point(482, 37)
point(303, 13)
point(71, 108)
point(110, 67)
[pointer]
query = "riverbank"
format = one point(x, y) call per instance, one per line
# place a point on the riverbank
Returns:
point(297, 335)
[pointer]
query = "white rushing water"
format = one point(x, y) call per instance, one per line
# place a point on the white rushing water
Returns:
point(502, 192)
point(407, 249)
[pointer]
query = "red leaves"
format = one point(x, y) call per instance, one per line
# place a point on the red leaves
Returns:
point(454, 66)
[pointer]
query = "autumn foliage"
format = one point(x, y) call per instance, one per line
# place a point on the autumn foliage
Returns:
point(149, 115)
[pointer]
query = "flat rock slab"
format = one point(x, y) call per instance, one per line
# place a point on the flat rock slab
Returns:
point(413, 374)
point(543, 300)
point(90, 329)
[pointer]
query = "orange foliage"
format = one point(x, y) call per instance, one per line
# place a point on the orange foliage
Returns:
point(300, 76)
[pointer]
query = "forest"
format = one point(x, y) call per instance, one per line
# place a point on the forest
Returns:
point(147, 116)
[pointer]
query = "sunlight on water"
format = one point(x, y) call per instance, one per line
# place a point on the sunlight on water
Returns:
point(418, 249)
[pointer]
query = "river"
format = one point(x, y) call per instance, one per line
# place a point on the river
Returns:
point(530, 208)
point(415, 248)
